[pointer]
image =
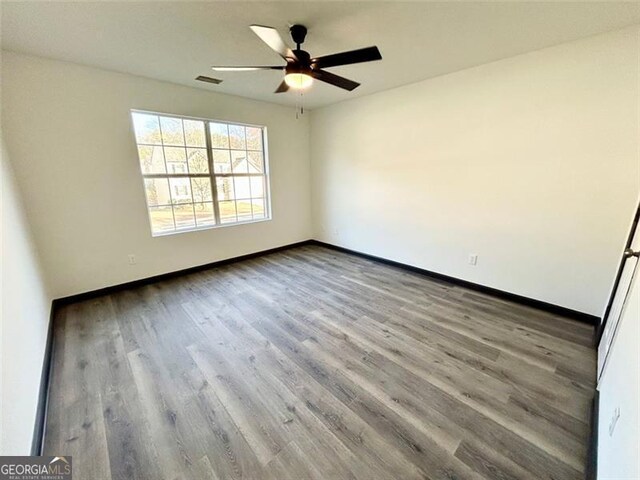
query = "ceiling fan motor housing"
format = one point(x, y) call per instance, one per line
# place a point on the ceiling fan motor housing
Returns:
point(302, 63)
point(298, 33)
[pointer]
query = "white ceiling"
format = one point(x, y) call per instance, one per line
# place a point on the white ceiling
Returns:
point(177, 41)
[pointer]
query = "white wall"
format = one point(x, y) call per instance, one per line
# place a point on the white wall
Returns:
point(24, 320)
point(620, 389)
point(530, 162)
point(68, 131)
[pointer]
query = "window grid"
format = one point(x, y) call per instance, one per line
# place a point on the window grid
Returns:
point(164, 157)
point(240, 204)
point(214, 190)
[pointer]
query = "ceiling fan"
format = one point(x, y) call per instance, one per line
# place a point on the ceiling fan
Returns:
point(301, 68)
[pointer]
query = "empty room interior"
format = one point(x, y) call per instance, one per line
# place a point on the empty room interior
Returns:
point(320, 240)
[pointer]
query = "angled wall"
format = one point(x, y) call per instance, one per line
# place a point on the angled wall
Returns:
point(24, 320)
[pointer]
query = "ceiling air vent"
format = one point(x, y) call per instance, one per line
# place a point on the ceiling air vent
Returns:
point(202, 78)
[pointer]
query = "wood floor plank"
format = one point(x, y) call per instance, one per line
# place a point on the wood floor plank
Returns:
point(230, 456)
point(258, 425)
point(315, 364)
point(489, 463)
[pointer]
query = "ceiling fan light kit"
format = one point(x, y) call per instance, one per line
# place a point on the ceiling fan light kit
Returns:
point(301, 69)
point(298, 81)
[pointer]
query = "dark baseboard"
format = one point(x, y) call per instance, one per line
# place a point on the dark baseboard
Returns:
point(37, 443)
point(164, 276)
point(529, 302)
point(591, 472)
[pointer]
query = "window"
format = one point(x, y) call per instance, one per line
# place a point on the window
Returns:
point(201, 173)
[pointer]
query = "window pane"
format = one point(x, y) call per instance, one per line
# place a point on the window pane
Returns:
point(171, 131)
point(161, 219)
point(239, 161)
point(151, 159)
point(224, 187)
point(198, 162)
point(236, 137)
point(180, 190)
point(244, 209)
point(257, 187)
point(147, 128)
point(254, 138)
point(256, 162)
point(242, 187)
point(157, 190)
point(204, 214)
point(221, 161)
point(227, 211)
point(219, 135)
point(183, 215)
point(201, 188)
point(176, 159)
point(257, 205)
point(194, 133)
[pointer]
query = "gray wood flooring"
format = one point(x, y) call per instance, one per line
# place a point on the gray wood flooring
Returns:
point(315, 364)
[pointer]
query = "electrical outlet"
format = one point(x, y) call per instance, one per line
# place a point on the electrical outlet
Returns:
point(614, 421)
point(132, 259)
point(473, 259)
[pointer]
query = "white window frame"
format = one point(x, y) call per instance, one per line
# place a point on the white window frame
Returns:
point(212, 175)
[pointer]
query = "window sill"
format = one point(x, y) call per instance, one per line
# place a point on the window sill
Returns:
point(211, 227)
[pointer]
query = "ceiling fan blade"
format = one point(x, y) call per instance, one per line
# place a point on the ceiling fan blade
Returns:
point(243, 69)
point(271, 37)
point(333, 79)
point(368, 54)
point(283, 87)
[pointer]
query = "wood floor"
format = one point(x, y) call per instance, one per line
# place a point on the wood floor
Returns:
point(315, 364)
